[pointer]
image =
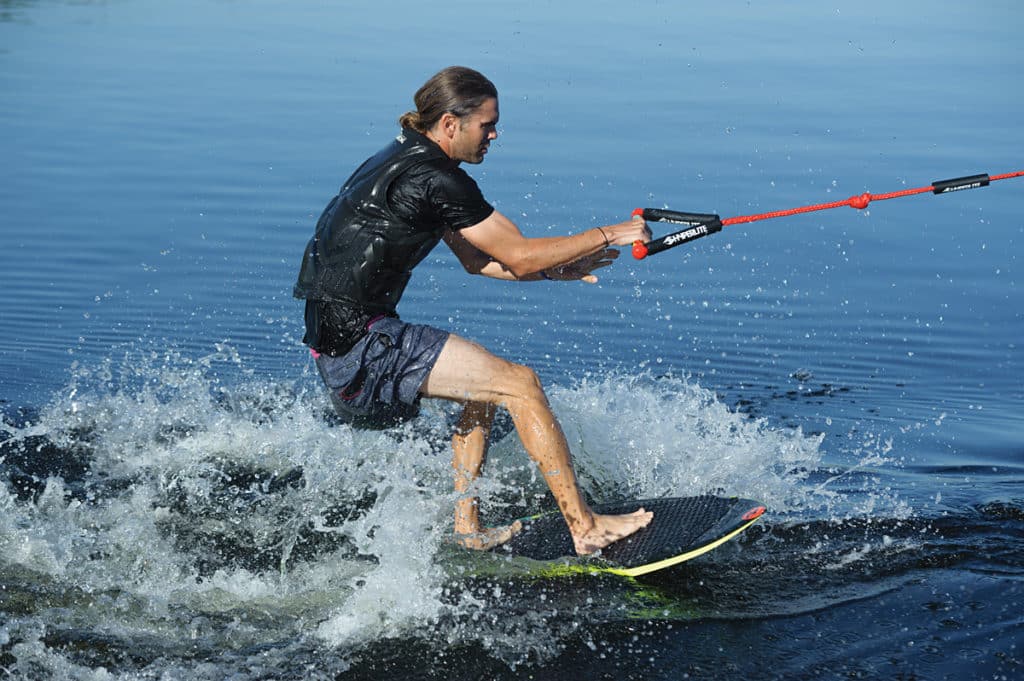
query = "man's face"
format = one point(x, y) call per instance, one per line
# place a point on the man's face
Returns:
point(475, 132)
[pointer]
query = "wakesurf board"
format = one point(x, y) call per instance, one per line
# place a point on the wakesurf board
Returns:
point(683, 528)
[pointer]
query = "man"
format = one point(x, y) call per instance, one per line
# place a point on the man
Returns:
point(383, 222)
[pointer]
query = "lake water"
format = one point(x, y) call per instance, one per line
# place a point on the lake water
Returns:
point(175, 502)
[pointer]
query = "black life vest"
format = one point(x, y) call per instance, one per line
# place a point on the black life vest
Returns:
point(362, 253)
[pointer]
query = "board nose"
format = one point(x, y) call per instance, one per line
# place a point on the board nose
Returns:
point(754, 513)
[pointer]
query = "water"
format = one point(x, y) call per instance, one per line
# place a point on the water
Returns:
point(176, 502)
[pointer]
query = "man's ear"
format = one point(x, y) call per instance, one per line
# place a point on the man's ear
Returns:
point(449, 122)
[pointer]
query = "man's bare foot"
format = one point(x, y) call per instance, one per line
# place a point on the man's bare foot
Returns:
point(489, 537)
point(610, 528)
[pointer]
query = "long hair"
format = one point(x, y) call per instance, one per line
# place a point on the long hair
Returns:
point(456, 89)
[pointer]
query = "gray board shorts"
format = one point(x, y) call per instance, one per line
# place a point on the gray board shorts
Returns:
point(377, 383)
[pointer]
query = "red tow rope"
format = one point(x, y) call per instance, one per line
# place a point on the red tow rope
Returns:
point(703, 224)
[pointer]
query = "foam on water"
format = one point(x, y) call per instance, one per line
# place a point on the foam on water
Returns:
point(199, 513)
point(670, 437)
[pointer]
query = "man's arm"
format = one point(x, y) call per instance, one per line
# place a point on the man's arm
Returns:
point(476, 261)
point(495, 247)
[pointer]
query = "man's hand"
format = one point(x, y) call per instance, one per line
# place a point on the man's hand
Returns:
point(580, 270)
point(625, 233)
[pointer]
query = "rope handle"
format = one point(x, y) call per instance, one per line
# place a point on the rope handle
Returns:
point(697, 225)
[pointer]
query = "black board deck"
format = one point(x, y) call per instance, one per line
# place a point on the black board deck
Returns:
point(682, 528)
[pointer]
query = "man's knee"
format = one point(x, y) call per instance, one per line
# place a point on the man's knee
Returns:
point(524, 383)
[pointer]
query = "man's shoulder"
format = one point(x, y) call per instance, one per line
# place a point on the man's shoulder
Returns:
point(438, 174)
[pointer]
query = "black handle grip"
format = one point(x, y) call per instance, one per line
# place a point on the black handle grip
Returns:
point(664, 215)
point(684, 236)
point(958, 183)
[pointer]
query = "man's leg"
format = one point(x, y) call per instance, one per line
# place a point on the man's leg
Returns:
point(469, 450)
point(466, 372)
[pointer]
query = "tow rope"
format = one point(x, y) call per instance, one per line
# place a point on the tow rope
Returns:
point(703, 224)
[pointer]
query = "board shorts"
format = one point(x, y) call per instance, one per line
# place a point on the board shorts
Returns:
point(377, 383)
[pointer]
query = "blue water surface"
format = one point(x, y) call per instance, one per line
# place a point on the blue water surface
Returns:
point(169, 472)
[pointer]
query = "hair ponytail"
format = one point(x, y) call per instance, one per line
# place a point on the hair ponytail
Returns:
point(457, 90)
point(411, 119)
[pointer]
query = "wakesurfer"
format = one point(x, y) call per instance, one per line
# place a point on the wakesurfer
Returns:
point(382, 223)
